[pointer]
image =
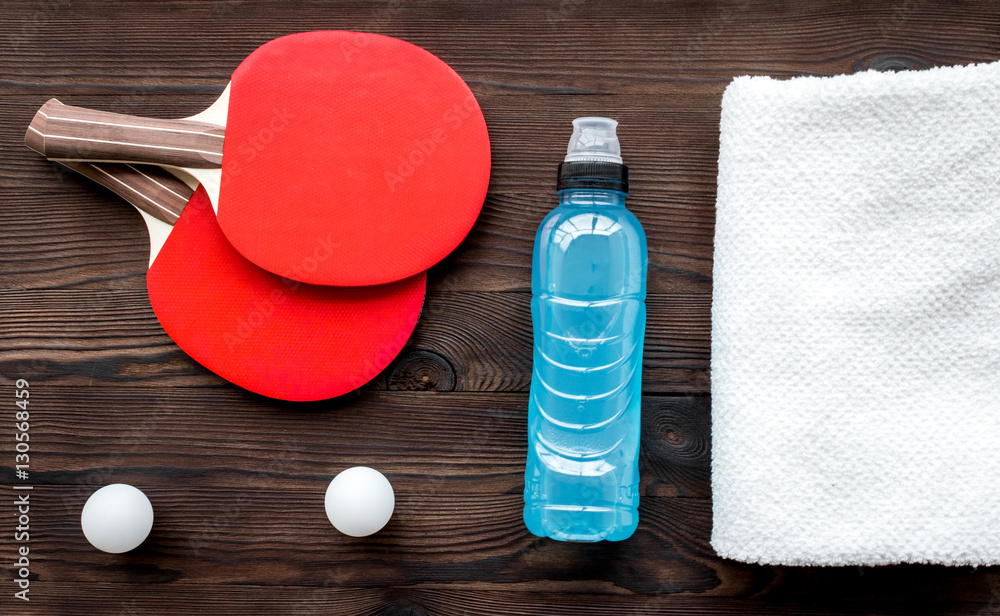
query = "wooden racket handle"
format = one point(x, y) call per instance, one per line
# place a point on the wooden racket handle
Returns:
point(151, 189)
point(62, 132)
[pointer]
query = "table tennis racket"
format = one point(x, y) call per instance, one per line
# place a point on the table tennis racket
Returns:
point(273, 336)
point(337, 158)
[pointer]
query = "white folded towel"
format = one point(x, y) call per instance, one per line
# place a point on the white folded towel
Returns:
point(856, 320)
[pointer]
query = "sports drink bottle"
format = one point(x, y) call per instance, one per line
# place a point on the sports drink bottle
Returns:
point(588, 280)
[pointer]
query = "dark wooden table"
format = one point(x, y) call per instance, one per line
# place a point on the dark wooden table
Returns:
point(237, 480)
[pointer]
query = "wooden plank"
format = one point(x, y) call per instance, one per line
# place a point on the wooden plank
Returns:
point(645, 46)
point(62, 231)
point(279, 535)
point(464, 341)
point(236, 479)
point(184, 599)
point(428, 443)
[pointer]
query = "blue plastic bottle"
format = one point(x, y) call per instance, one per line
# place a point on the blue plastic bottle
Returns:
point(588, 280)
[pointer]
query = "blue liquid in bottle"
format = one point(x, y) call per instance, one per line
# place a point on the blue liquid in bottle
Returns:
point(589, 314)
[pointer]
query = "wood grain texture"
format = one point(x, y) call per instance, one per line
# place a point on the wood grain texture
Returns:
point(254, 491)
point(163, 600)
point(237, 480)
point(465, 442)
point(464, 341)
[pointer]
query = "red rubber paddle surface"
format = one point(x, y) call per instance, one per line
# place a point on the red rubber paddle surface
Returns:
point(350, 159)
point(270, 335)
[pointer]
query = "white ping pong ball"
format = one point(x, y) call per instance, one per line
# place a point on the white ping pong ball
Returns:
point(359, 501)
point(117, 518)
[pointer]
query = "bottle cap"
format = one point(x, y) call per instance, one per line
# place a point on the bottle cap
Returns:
point(593, 158)
point(594, 139)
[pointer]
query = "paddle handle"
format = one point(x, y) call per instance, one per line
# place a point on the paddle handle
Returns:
point(151, 189)
point(63, 132)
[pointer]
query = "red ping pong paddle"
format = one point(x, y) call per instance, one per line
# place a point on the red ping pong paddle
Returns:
point(346, 158)
point(273, 336)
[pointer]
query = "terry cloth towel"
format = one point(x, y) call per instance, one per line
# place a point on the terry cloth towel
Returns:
point(856, 320)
